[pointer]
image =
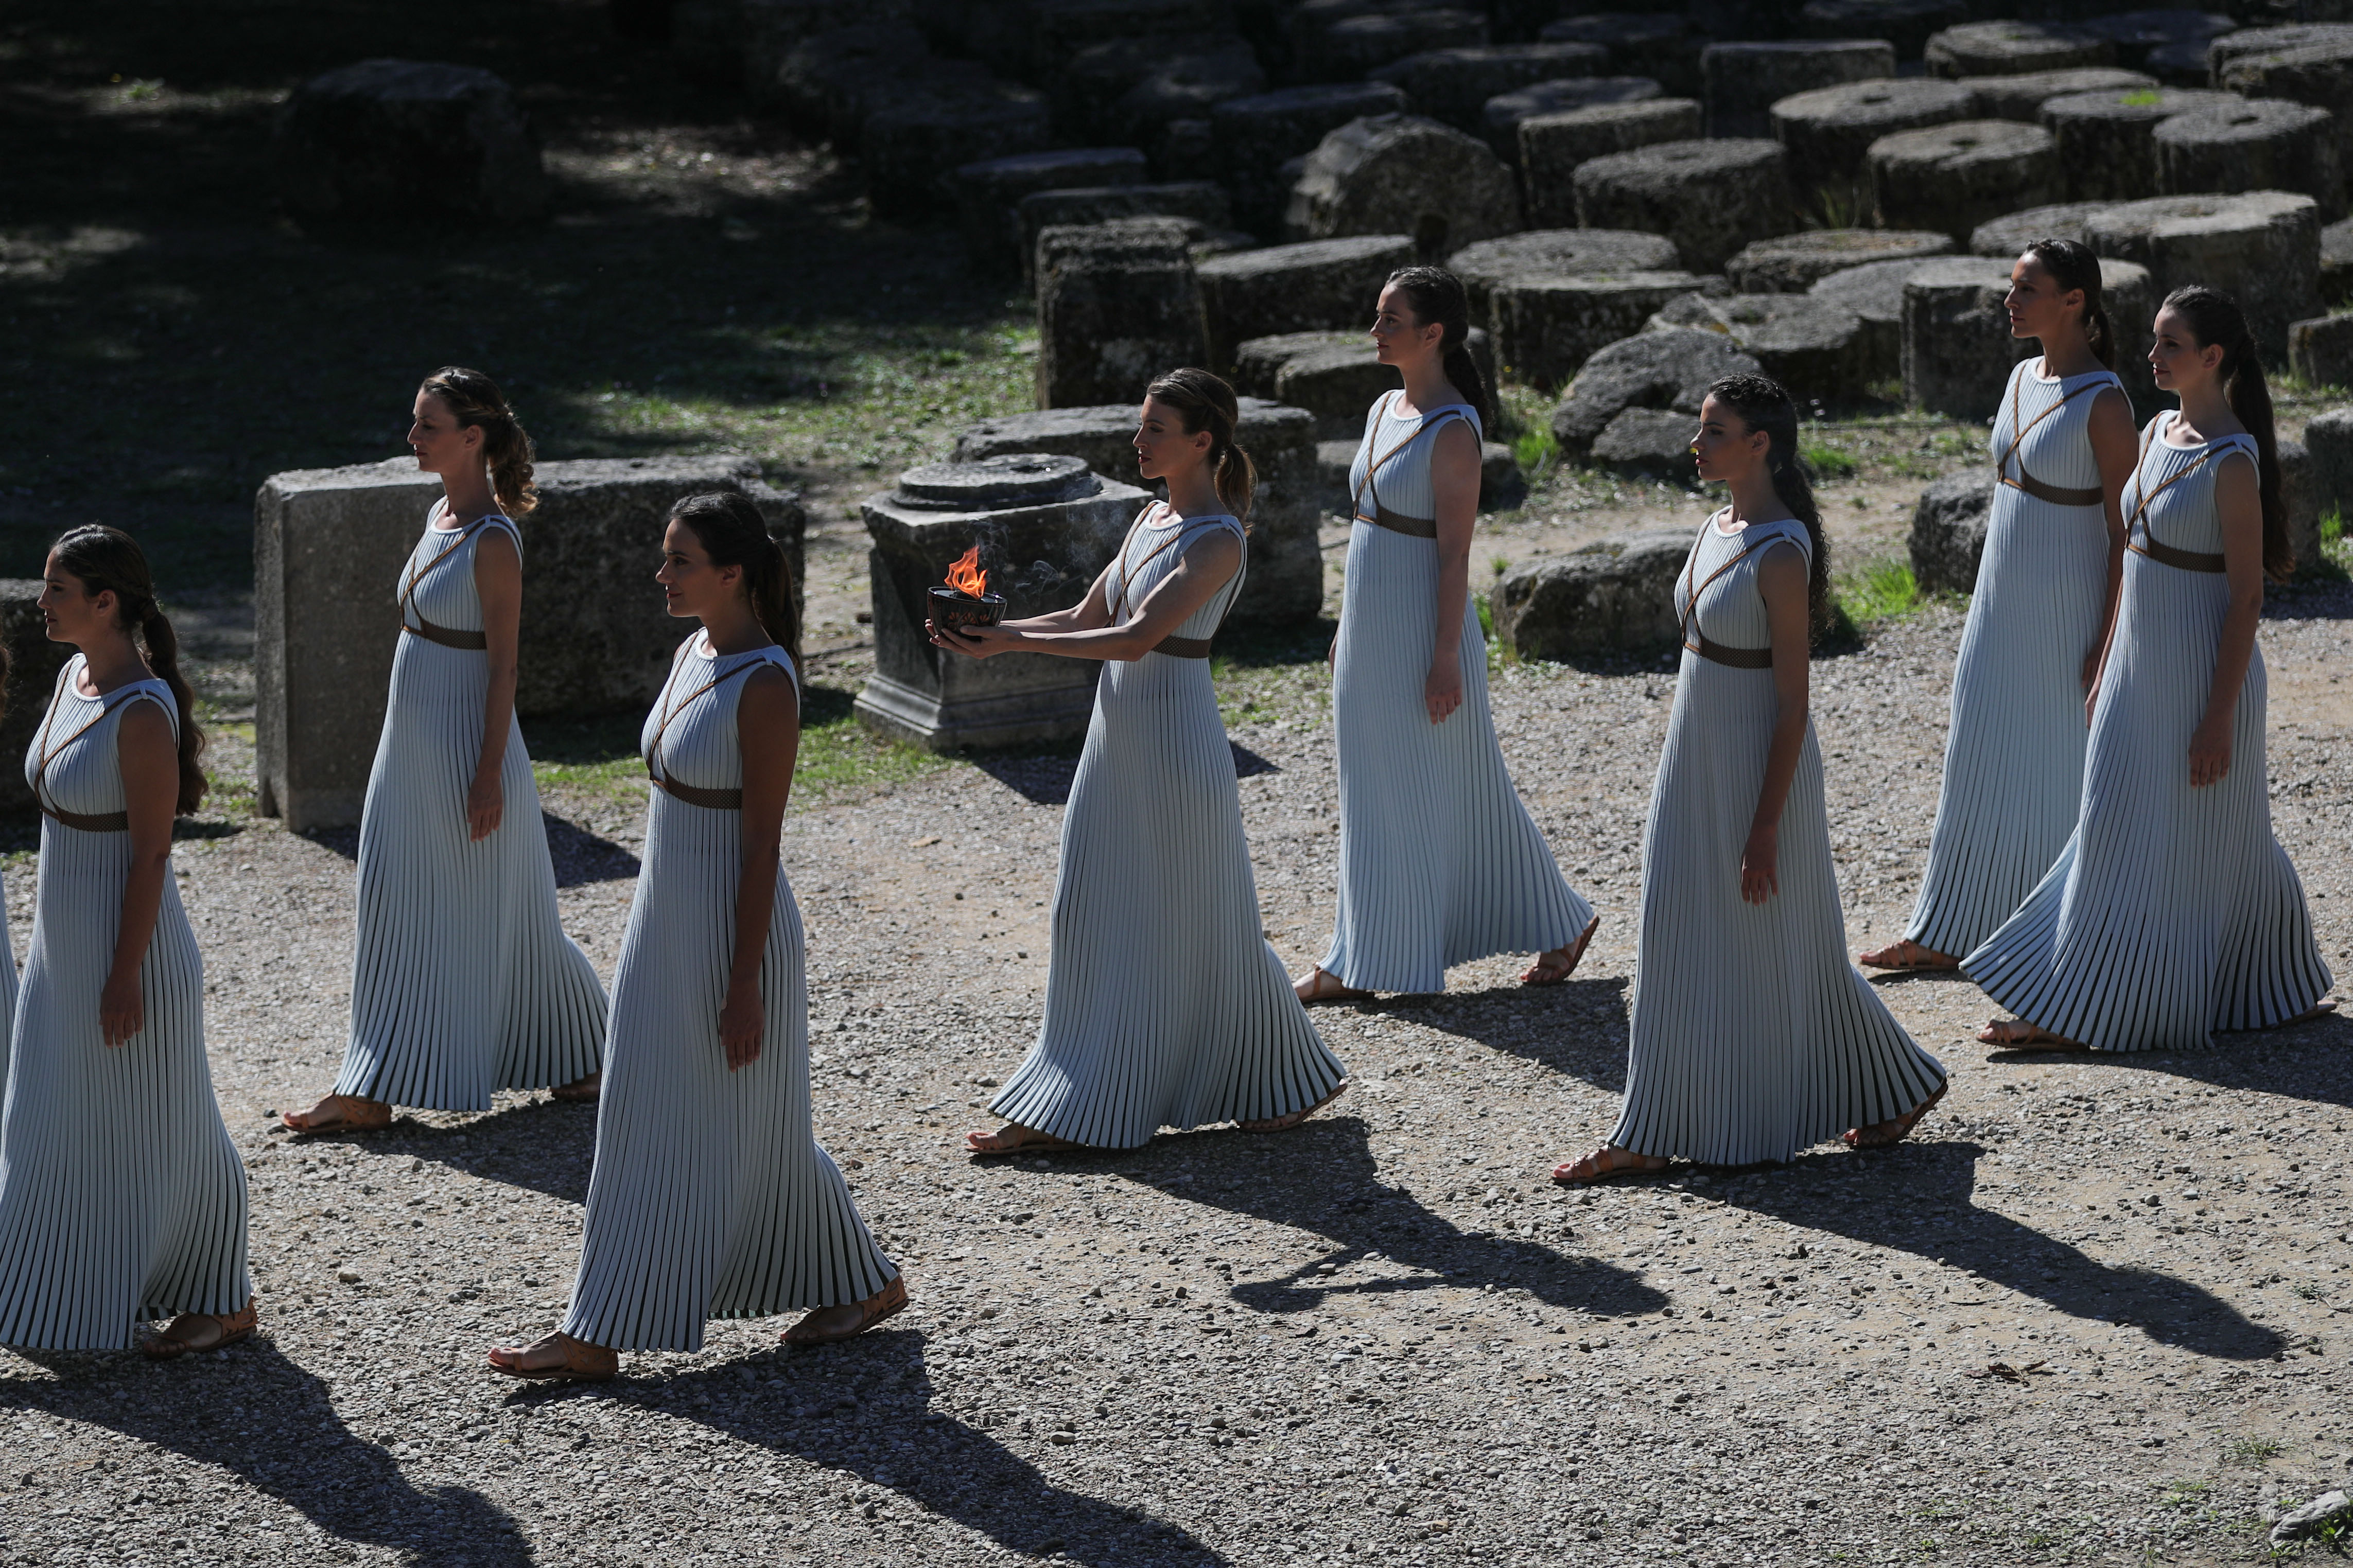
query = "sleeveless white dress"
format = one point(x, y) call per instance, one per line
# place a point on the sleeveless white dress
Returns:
point(1439, 862)
point(2014, 755)
point(1753, 1037)
point(710, 1196)
point(121, 1197)
point(463, 980)
point(2172, 912)
point(1165, 1006)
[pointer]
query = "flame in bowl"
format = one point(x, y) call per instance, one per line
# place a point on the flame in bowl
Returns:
point(966, 576)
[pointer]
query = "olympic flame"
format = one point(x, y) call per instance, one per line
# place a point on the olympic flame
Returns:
point(966, 576)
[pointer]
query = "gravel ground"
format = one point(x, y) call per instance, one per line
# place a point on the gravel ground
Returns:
point(2096, 1312)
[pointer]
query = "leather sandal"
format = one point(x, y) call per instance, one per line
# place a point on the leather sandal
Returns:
point(582, 1363)
point(1537, 974)
point(2320, 1009)
point(1285, 1124)
point(2018, 1035)
point(352, 1113)
point(1323, 986)
point(887, 1302)
point(581, 1091)
point(1872, 1138)
point(1909, 957)
point(1012, 1138)
point(1605, 1162)
point(169, 1346)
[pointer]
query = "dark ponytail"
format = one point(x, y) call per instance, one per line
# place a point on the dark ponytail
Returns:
point(1204, 402)
point(2073, 266)
point(734, 533)
point(1760, 404)
point(1436, 295)
point(2215, 317)
point(106, 559)
point(474, 399)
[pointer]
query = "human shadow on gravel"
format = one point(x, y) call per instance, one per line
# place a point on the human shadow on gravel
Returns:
point(1919, 1197)
point(1046, 780)
point(545, 1145)
point(1322, 1178)
point(1576, 1028)
point(579, 855)
point(2309, 1062)
point(250, 1412)
point(867, 1407)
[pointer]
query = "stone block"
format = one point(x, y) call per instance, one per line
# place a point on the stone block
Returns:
point(2225, 48)
point(1324, 284)
point(1045, 528)
point(2263, 248)
point(1507, 111)
point(1401, 174)
point(1948, 531)
point(2128, 293)
point(1906, 24)
point(1186, 89)
point(2318, 75)
point(2252, 145)
point(1197, 201)
point(1614, 597)
point(2014, 47)
point(1873, 293)
point(1285, 587)
point(1547, 327)
point(1336, 383)
point(1552, 147)
point(1665, 370)
point(817, 85)
point(329, 544)
point(1958, 350)
point(2010, 234)
point(1359, 45)
point(2302, 501)
point(34, 662)
point(1453, 86)
point(1259, 363)
point(2022, 97)
point(1828, 131)
point(1793, 263)
point(2336, 262)
point(1711, 197)
point(1117, 305)
point(912, 144)
point(1660, 45)
point(1556, 253)
point(393, 139)
point(1252, 137)
point(1648, 444)
point(2106, 141)
point(2135, 34)
point(2320, 351)
point(990, 194)
point(1743, 81)
point(1956, 176)
point(2328, 443)
point(1812, 346)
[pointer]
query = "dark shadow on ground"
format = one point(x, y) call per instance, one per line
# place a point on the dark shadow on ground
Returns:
point(579, 855)
point(545, 1145)
point(1046, 780)
point(280, 1433)
point(2310, 1061)
point(866, 1407)
point(1919, 1197)
point(1576, 1028)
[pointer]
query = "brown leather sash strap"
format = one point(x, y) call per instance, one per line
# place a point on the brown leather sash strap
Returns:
point(715, 799)
point(2187, 560)
point(1183, 647)
point(2148, 544)
point(2051, 493)
point(1735, 658)
point(2028, 482)
point(474, 642)
point(1397, 523)
point(99, 822)
point(105, 821)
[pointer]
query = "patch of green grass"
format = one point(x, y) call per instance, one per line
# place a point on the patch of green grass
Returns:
point(1536, 450)
point(1879, 590)
point(1826, 461)
point(2252, 1450)
point(2144, 97)
point(1841, 207)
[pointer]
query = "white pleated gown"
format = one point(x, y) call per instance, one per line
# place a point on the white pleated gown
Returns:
point(1753, 1037)
point(1439, 862)
point(2014, 755)
point(121, 1197)
point(463, 980)
point(1165, 1006)
point(710, 1196)
point(2172, 912)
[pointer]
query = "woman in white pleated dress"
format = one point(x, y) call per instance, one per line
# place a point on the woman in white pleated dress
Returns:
point(1441, 864)
point(2046, 592)
point(2172, 912)
point(463, 980)
point(121, 1197)
point(1752, 1038)
point(710, 1196)
point(1165, 1005)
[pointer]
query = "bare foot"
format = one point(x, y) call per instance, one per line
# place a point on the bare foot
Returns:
point(1893, 1131)
point(1552, 968)
point(1320, 986)
point(1609, 1160)
point(1907, 955)
point(2017, 1034)
point(341, 1114)
point(583, 1089)
point(832, 1325)
point(1013, 1136)
point(557, 1356)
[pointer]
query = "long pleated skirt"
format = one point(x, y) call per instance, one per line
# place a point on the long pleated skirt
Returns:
point(710, 1196)
point(463, 980)
point(2171, 912)
point(1439, 862)
point(1752, 1036)
point(121, 1197)
point(1165, 1005)
point(2014, 757)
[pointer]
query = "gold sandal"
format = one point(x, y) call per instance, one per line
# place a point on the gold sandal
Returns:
point(583, 1363)
point(167, 1346)
point(344, 1107)
point(887, 1302)
point(1024, 1138)
point(1869, 1137)
point(1318, 993)
point(1909, 957)
point(1536, 974)
point(1285, 1124)
point(1622, 1162)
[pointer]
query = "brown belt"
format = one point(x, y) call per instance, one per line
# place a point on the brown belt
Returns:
point(2051, 493)
point(713, 799)
point(105, 821)
point(2186, 559)
point(1183, 647)
point(1397, 523)
point(1735, 657)
point(472, 641)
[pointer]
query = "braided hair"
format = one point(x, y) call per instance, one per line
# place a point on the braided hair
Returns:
point(2215, 317)
point(2072, 265)
point(107, 560)
point(1204, 402)
point(474, 399)
point(1436, 295)
point(1760, 404)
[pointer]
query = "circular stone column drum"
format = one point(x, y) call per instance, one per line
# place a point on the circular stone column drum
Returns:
point(2013, 49)
point(1958, 350)
point(1401, 174)
point(1906, 24)
point(2256, 145)
point(1554, 146)
point(1794, 263)
point(2262, 248)
point(1829, 132)
point(1662, 46)
point(1711, 197)
point(1557, 253)
point(1742, 82)
point(2107, 140)
point(1954, 178)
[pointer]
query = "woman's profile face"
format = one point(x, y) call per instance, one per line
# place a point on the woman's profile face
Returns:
point(70, 613)
point(1162, 447)
point(2174, 358)
point(2035, 302)
point(1397, 335)
point(692, 585)
point(1726, 447)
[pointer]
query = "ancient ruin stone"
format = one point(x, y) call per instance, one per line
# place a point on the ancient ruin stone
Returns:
point(815, 84)
point(2011, 47)
point(1362, 44)
point(2317, 75)
point(1260, 360)
point(1187, 88)
point(1117, 305)
point(2336, 262)
point(2106, 141)
point(2135, 33)
point(1453, 86)
point(1811, 346)
point(2257, 145)
point(1556, 253)
point(1505, 112)
point(1954, 178)
point(911, 145)
point(1399, 174)
point(1873, 293)
point(33, 665)
point(1547, 327)
point(2010, 234)
point(990, 194)
point(1252, 137)
point(2320, 351)
point(1325, 283)
point(1793, 263)
point(1668, 369)
point(1662, 46)
point(1906, 24)
point(2300, 499)
point(2022, 97)
point(1948, 531)
point(2328, 440)
point(1648, 444)
point(1617, 596)
point(2225, 48)
point(2128, 293)
point(404, 139)
point(1336, 383)
point(1958, 350)
point(1552, 146)
point(1711, 197)
point(2262, 248)
point(1198, 202)
point(1743, 81)
point(1827, 131)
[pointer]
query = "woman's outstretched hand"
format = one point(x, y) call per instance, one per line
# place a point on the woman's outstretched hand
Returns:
point(973, 642)
point(1759, 881)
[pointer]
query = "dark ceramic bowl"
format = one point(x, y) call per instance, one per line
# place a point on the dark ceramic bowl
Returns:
point(952, 610)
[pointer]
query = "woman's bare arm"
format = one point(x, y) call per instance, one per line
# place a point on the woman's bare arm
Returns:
point(1454, 486)
point(1781, 578)
point(1206, 566)
point(2240, 500)
point(150, 760)
point(768, 731)
point(2115, 446)
point(497, 581)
